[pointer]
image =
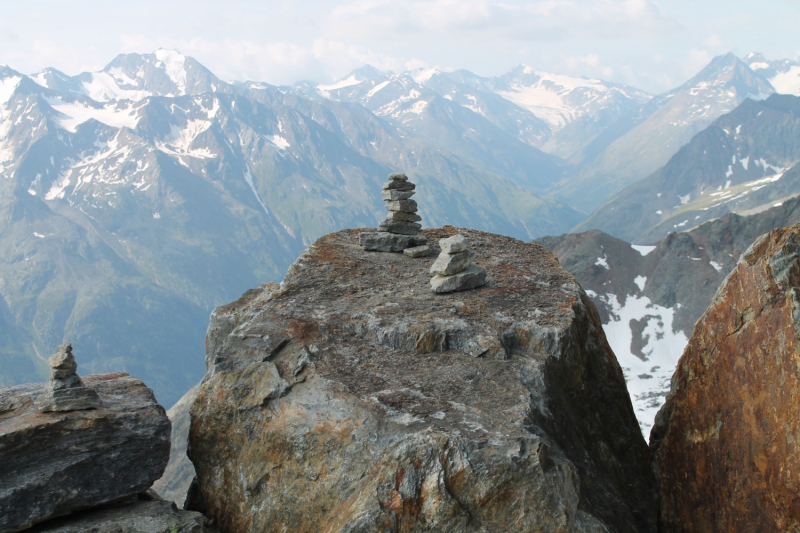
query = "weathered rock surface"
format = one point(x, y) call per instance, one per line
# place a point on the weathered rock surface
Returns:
point(380, 241)
point(417, 251)
point(178, 474)
point(725, 442)
point(60, 462)
point(139, 517)
point(448, 264)
point(350, 398)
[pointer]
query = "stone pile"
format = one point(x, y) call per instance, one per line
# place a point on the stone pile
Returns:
point(401, 227)
point(453, 270)
point(65, 391)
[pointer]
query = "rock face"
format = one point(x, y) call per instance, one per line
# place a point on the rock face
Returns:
point(139, 517)
point(725, 442)
point(178, 474)
point(350, 398)
point(54, 463)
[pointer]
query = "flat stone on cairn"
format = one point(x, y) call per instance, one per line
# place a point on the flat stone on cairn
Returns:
point(65, 391)
point(401, 227)
point(453, 270)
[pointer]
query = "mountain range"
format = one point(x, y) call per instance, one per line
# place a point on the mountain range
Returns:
point(135, 199)
point(650, 296)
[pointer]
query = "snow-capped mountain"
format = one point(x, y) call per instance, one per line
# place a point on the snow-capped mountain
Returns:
point(476, 131)
point(783, 75)
point(738, 164)
point(134, 200)
point(659, 129)
point(649, 297)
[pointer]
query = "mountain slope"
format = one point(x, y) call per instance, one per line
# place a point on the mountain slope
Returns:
point(758, 140)
point(659, 129)
point(649, 297)
point(127, 219)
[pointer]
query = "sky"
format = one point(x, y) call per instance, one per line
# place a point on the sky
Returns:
point(654, 46)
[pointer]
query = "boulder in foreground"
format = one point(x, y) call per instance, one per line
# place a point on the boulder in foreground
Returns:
point(725, 442)
point(55, 463)
point(353, 399)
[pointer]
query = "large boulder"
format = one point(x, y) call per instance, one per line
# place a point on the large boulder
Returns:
point(725, 443)
point(55, 463)
point(350, 398)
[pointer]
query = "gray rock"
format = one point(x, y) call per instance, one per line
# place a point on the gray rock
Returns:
point(451, 245)
point(471, 278)
point(55, 463)
point(417, 251)
point(400, 226)
point(398, 177)
point(399, 186)
point(156, 516)
point(396, 427)
point(407, 206)
point(449, 264)
point(65, 390)
point(401, 216)
point(178, 475)
point(389, 242)
point(397, 195)
point(484, 345)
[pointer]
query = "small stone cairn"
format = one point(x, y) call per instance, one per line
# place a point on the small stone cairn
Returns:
point(65, 391)
point(399, 231)
point(453, 270)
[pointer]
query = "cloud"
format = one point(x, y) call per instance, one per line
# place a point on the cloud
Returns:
point(542, 20)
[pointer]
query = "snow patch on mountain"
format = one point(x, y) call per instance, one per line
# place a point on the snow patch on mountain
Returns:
point(103, 87)
point(642, 249)
point(175, 67)
point(659, 348)
point(179, 141)
point(72, 114)
point(787, 82)
point(347, 82)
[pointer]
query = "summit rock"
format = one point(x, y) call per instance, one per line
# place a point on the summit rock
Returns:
point(351, 398)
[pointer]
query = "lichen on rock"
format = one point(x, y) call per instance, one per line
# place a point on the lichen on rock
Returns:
point(350, 398)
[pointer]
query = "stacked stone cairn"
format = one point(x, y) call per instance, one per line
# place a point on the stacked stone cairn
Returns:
point(399, 231)
point(453, 270)
point(65, 391)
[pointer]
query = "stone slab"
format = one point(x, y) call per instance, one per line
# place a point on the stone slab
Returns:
point(449, 264)
point(392, 195)
point(470, 278)
point(407, 206)
point(399, 186)
point(61, 462)
point(401, 216)
point(451, 245)
point(381, 241)
point(400, 226)
point(417, 251)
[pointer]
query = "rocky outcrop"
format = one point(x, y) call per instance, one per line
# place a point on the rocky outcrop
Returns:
point(350, 398)
point(55, 463)
point(178, 475)
point(725, 443)
point(140, 517)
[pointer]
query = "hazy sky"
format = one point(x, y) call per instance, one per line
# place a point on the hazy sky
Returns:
point(652, 45)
